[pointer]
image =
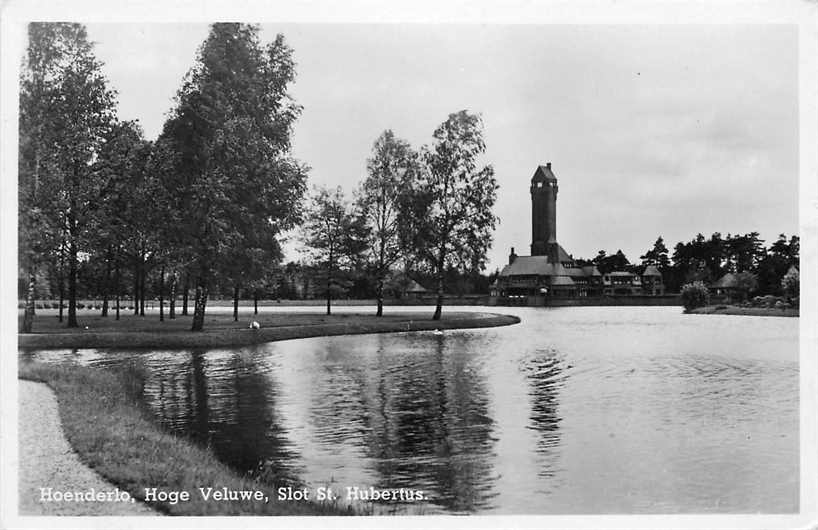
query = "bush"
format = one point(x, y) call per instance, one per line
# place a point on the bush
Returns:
point(55, 305)
point(80, 305)
point(695, 295)
point(790, 283)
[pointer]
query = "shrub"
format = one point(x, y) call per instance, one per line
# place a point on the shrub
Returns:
point(790, 283)
point(80, 305)
point(55, 305)
point(695, 295)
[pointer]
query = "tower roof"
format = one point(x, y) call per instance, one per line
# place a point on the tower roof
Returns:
point(543, 173)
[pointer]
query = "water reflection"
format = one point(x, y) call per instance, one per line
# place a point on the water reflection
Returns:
point(681, 414)
point(416, 409)
point(544, 371)
point(225, 401)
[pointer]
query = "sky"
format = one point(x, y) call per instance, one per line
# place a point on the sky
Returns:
point(651, 130)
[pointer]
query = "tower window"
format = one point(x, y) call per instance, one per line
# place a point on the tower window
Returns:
point(539, 184)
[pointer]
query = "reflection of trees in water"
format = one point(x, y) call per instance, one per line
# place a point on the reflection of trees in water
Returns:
point(418, 407)
point(226, 402)
point(545, 376)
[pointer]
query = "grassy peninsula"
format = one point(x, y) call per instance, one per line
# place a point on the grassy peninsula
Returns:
point(221, 330)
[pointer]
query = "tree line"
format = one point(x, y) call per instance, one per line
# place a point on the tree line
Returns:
point(205, 205)
point(708, 259)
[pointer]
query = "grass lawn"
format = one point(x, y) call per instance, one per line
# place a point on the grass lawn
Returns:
point(748, 311)
point(112, 432)
point(220, 329)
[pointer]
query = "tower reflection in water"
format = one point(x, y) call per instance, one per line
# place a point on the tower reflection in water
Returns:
point(545, 372)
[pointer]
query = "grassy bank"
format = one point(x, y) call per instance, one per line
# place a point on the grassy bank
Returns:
point(748, 311)
point(106, 424)
point(220, 329)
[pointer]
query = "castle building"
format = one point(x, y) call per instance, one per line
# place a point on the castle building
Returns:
point(552, 272)
point(549, 270)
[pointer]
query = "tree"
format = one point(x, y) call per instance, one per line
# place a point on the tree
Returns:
point(228, 169)
point(694, 295)
point(451, 201)
point(657, 256)
point(391, 165)
point(790, 283)
point(66, 112)
point(336, 234)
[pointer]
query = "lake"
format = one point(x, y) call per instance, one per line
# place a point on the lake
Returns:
point(586, 410)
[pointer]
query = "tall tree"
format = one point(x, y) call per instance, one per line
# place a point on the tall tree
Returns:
point(229, 171)
point(657, 256)
point(392, 164)
point(336, 235)
point(66, 112)
point(452, 200)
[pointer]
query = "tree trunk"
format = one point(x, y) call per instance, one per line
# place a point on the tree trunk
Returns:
point(142, 280)
point(185, 290)
point(136, 288)
point(72, 286)
point(116, 286)
point(162, 294)
point(379, 312)
point(172, 298)
point(61, 281)
point(28, 315)
point(236, 303)
point(439, 308)
point(105, 286)
point(200, 301)
point(329, 283)
point(255, 302)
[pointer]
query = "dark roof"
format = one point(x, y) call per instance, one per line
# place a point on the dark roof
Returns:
point(415, 287)
point(543, 173)
point(651, 270)
point(540, 266)
point(561, 280)
point(726, 281)
point(575, 272)
point(591, 270)
point(532, 266)
point(562, 255)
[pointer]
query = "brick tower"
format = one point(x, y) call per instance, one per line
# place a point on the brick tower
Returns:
point(544, 214)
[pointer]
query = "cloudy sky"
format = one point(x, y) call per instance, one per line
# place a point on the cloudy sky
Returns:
point(651, 130)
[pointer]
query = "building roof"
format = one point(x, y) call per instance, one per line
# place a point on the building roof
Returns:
point(651, 270)
point(562, 255)
point(543, 173)
point(561, 280)
point(415, 287)
point(792, 269)
point(591, 270)
point(726, 281)
point(540, 266)
point(575, 272)
point(621, 273)
point(533, 266)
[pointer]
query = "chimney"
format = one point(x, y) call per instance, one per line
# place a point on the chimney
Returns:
point(512, 256)
point(548, 165)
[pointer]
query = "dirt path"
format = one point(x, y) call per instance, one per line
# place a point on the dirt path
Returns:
point(48, 461)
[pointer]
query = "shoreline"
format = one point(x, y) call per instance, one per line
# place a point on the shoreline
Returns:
point(745, 311)
point(126, 448)
point(154, 338)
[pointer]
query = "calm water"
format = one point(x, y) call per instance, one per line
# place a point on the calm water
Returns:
point(575, 410)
